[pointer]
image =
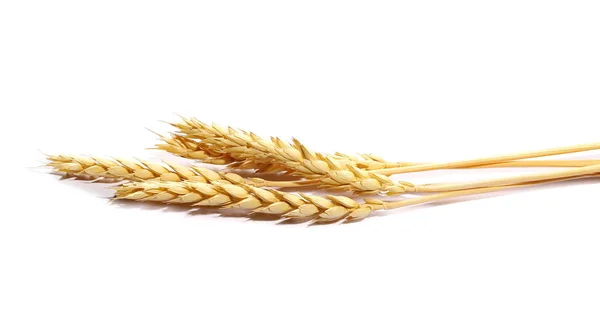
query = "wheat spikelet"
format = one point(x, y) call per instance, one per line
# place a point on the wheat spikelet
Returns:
point(188, 148)
point(95, 167)
point(258, 200)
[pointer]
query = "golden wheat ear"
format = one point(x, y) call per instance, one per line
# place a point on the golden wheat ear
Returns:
point(257, 200)
point(133, 169)
point(244, 146)
point(95, 168)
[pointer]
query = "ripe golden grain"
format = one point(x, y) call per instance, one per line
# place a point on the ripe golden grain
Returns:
point(258, 200)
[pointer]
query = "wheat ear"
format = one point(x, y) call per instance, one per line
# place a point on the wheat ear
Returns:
point(95, 168)
point(249, 150)
point(257, 199)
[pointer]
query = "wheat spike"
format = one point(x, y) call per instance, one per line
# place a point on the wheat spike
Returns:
point(123, 169)
point(95, 167)
point(251, 151)
point(258, 200)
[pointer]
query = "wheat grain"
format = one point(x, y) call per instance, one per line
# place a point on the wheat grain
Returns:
point(258, 200)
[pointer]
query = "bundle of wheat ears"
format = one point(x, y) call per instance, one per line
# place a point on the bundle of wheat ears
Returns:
point(304, 170)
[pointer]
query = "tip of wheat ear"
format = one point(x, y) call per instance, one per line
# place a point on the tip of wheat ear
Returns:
point(258, 200)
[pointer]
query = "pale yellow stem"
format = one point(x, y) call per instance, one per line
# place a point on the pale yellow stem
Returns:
point(454, 194)
point(573, 172)
point(519, 164)
point(540, 164)
point(489, 160)
point(442, 196)
point(286, 183)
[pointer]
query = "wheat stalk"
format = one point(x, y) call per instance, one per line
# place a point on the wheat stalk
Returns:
point(337, 172)
point(287, 205)
point(572, 172)
point(496, 159)
point(235, 146)
point(592, 170)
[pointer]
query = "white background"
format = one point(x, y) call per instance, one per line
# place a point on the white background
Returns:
point(410, 80)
